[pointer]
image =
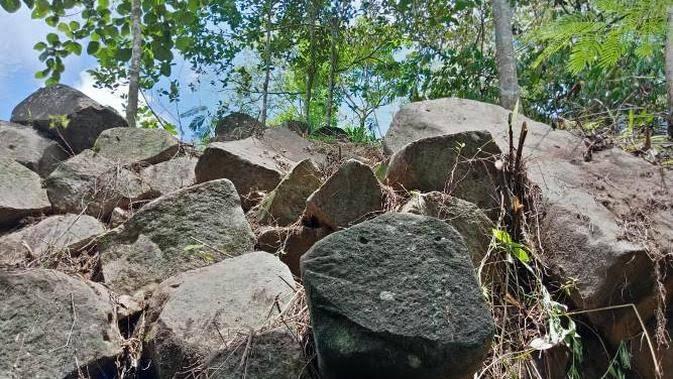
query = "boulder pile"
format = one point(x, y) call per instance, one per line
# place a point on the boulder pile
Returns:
point(124, 251)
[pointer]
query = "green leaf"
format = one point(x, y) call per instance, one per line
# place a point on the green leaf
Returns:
point(42, 74)
point(10, 6)
point(92, 47)
point(52, 21)
point(29, 3)
point(52, 38)
point(183, 43)
point(123, 55)
point(73, 47)
point(40, 46)
point(63, 27)
point(74, 25)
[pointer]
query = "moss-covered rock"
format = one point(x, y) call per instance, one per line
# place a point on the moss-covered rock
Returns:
point(190, 228)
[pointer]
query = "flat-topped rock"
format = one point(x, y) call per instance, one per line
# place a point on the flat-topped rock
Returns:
point(171, 175)
point(26, 146)
point(349, 196)
point(183, 230)
point(396, 297)
point(136, 145)
point(66, 115)
point(21, 192)
point(254, 163)
point(460, 164)
point(193, 312)
point(94, 185)
point(53, 325)
point(49, 236)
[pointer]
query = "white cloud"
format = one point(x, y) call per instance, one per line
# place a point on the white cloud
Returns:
point(104, 96)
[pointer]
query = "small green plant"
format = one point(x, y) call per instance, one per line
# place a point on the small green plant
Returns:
point(513, 249)
point(58, 121)
point(359, 135)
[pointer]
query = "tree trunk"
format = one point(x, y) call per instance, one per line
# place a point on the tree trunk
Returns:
point(267, 66)
point(134, 70)
point(669, 70)
point(506, 61)
point(332, 69)
point(311, 70)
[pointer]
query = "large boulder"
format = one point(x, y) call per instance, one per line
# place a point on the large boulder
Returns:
point(49, 236)
point(136, 145)
point(285, 204)
point(396, 297)
point(237, 126)
point(67, 116)
point(198, 313)
point(94, 185)
point(169, 176)
point(255, 163)
point(470, 221)
point(461, 164)
point(349, 196)
point(21, 192)
point(187, 229)
point(53, 325)
point(600, 217)
point(26, 146)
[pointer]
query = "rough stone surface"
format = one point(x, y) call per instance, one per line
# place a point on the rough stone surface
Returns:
point(169, 176)
point(470, 221)
point(285, 204)
point(51, 235)
point(49, 322)
point(86, 118)
point(396, 297)
point(255, 163)
point(348, 196)
point(93, 184)
point(597, 212)
point(461, 164)
point(136, 145)
point(289, 243)
point(21, 192)
point(237, 126)
point(186, 229)
point(274, 354)
point(26, 146)
point(192, 312)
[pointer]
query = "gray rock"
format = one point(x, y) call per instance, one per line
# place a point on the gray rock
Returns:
point(170, 176)
point(237, 126)
point(21, 192)
point(51, 323)
point(190, 228)
point(285, 204)
point(194, 314)
point(26, 146)
point(460, 164)
point(93, 184)
point(272, 354)
point(396, 297)
point(86, 119)
point(289, 243)
point(136, 145)
point(49, 236)
point(470, 221)
point(255, 163)
point(349, 196)
point(593, 231)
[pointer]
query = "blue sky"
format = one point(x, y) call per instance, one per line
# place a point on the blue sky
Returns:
point(19, 62)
